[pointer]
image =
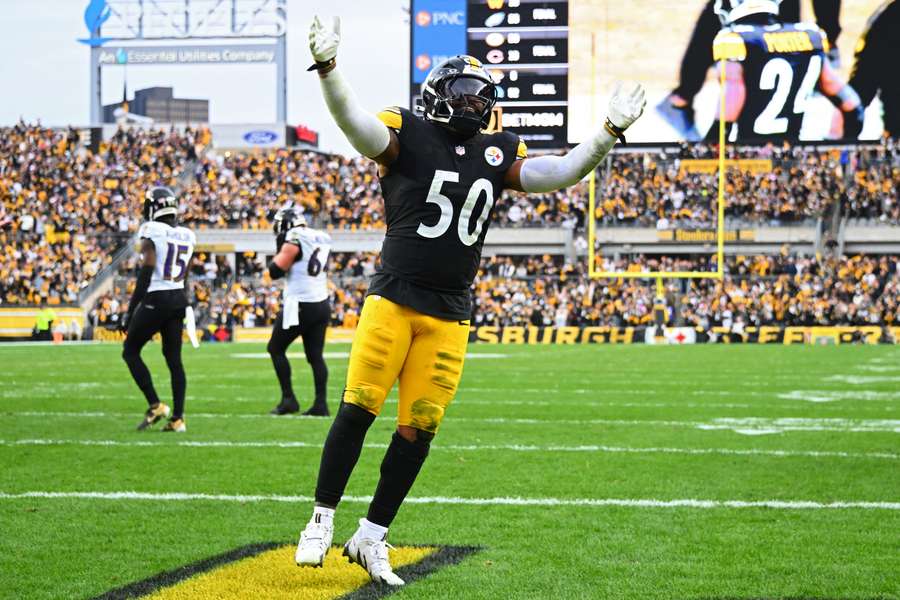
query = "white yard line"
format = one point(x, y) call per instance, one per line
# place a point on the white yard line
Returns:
point(742, 425)
point(548, 449)
point(747, 426)
point(879, 368)
point(345, 354)
point(819, 396)
point(455, 500)
point(863, 379)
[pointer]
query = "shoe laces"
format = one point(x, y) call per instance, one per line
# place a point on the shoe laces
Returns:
point(380, 556)
point(315, 532)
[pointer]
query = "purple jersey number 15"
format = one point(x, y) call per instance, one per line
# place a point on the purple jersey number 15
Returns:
point(176, 254)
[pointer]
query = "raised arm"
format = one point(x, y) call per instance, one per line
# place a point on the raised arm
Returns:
point(844, 98)
point(365, 132)
point(549, 173)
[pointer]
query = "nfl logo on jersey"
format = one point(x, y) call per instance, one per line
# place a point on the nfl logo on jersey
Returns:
point(460, 150)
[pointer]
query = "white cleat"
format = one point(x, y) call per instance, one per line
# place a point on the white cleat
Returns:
point(372, 555)
point(314, 543)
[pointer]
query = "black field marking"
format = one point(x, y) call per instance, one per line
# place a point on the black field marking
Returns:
point(170, 578)
point(444, 556)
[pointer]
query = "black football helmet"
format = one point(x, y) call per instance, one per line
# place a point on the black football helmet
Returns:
point(730, 11)
point(286, 219)
point(459, 94)
point(159, 202)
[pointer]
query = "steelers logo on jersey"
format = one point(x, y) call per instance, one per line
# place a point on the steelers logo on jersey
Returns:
point(493, 155)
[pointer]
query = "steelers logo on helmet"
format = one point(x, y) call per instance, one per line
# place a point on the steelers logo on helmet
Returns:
point(459, 94)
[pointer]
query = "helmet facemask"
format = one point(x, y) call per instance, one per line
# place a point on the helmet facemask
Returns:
point(459, 100)
point(286, 219)
point(160, 202)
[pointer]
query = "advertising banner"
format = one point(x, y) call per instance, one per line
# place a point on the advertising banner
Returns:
point(773, 334)
point(438, 33)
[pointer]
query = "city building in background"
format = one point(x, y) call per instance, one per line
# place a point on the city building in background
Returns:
point(161, 105)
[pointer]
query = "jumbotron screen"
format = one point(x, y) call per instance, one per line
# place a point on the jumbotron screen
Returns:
point(556, 62)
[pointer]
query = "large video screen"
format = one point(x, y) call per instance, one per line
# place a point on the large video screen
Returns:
point(648, 42)
point(556, 63)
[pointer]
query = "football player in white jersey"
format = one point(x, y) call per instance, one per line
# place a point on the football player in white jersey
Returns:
point(158, 303)
point(302, 256)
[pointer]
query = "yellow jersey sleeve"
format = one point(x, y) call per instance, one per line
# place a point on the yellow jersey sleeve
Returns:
point(521, 150)
point(729, 46)
point(391, 117)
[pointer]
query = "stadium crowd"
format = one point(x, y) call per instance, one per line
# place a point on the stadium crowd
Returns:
point(791, 184)
point(64, 210)
point(549, 291)
point(757, 290)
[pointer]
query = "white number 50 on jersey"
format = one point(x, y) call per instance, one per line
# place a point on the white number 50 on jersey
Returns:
point(462, 226)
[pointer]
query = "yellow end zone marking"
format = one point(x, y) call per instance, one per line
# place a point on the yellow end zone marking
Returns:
point(274, 574)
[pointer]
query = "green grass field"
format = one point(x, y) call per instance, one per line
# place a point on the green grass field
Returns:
point(561, 464)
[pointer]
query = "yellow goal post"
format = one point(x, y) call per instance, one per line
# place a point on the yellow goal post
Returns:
point(594, 273)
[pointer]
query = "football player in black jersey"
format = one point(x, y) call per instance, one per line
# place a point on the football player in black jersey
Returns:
point(772, 70)
point(440, 177)
point(874, 65)
point(678, 107)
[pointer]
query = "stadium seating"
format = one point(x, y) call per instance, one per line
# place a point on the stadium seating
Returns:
point(65, 210)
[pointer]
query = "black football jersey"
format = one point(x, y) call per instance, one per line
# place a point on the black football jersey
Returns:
point(439, 197)
point(782, 67)
point(875, 68)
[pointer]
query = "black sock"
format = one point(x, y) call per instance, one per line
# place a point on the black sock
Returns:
point(320, 377)
point(399, 470)
point(283, 371)
point(141, 375)
point(342, 448)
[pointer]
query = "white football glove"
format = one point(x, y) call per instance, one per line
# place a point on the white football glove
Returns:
point(323, 43)
point(626, 106)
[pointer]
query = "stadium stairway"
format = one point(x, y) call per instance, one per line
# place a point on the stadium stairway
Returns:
point(105, 279)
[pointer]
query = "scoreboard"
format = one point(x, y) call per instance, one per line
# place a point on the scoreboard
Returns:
point(524, 45)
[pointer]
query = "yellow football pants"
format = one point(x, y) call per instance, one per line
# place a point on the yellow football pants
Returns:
point(426, 354)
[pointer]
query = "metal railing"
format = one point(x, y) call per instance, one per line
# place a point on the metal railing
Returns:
point(110, 270)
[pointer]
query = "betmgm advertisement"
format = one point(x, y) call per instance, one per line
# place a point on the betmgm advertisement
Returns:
point(556, 63)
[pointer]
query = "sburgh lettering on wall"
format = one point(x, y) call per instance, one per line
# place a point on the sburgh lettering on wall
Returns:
point(682, 335)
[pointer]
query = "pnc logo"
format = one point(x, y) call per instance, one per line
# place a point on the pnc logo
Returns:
point(423, 18)
point(449, 18)
point(423, 62)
